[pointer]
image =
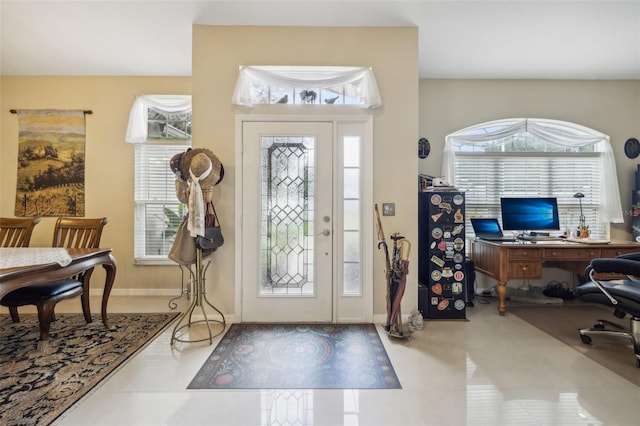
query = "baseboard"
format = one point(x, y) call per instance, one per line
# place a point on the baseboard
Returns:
point(155, 292)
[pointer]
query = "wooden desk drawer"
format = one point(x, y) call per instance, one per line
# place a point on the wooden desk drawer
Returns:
point(569, 254)
point(525, 269)
point(614, 252)
point(524, 253)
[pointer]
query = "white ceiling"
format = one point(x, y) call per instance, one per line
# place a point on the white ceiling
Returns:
point(565, 39)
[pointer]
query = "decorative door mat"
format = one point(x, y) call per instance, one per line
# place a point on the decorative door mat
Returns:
point(298, 356)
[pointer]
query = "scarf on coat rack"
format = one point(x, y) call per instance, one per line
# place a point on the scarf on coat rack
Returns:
point(196, 203)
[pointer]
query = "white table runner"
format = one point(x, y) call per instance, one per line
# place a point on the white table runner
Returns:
point(12, 257)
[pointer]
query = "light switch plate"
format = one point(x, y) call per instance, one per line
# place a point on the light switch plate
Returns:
point(388, 209)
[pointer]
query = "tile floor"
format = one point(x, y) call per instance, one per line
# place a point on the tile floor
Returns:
point(489, 370)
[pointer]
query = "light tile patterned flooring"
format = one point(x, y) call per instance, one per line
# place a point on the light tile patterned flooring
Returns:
point(489, 370)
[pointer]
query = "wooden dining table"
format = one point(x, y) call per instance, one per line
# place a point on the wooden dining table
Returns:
point(82, 259)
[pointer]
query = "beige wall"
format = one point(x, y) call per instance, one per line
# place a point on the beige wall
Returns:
point(610, 107)
point(109, 161)
point(218, 51)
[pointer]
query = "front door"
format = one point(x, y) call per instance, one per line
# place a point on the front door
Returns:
point(287, 223)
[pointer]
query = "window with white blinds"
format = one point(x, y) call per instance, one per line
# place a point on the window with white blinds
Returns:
point(487, 176)
point(157, 209)
point(160, 127)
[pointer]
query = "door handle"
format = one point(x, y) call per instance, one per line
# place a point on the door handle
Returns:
point(325, 232)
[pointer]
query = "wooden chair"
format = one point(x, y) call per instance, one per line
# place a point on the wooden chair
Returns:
point(44, 297)
point(16, 231)
point(74, 232)
point(68, 233)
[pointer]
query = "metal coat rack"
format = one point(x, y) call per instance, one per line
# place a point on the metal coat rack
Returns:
point(185, 288)
point(199, 302)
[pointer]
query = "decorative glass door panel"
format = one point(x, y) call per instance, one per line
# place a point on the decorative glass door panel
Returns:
point(287, 221)
point(287, 185)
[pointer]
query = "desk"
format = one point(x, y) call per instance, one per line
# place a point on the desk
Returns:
point(504, 261)
point(81, 260)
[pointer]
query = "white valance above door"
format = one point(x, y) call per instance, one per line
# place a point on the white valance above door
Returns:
point(357, 83)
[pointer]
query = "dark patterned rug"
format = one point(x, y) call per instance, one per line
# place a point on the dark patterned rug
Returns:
point(36, 387)
point(298, 356)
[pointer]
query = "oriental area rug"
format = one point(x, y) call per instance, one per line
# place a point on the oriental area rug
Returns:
point(298, 356)
point(36, 386)
point(563, 322)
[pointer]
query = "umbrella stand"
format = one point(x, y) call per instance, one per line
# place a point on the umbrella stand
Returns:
point(396, 270)
point(400, 269)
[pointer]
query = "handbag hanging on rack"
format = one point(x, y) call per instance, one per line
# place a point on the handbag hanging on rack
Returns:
point(183, 249)
point(212, 238)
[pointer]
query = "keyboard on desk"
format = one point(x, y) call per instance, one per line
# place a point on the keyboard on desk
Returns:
point(526, 237)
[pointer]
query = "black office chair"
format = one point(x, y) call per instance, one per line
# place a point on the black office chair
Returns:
point(622, 295)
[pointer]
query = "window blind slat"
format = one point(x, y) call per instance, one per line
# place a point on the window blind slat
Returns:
point(154, 192)
point(486, 178)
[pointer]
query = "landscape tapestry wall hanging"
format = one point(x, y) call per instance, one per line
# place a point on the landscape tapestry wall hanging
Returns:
point(51, 149)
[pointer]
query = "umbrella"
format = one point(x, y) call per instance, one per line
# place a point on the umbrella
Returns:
point(398, 282)
point(382, 244)
point(396, 271)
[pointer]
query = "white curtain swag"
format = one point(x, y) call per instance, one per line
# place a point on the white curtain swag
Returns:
point(554, 131)
point(359, 82)
point(137, 130)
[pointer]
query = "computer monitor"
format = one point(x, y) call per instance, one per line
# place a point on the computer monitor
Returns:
point(529, 214)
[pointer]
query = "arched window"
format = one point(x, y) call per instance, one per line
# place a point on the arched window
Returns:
point(526, 157)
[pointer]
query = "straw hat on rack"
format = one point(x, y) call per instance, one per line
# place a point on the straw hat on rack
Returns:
point(197, 161)
point(204, 170)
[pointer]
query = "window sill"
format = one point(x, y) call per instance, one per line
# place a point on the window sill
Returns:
point(160, 261)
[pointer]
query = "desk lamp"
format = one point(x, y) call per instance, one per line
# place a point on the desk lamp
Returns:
point(580, 196)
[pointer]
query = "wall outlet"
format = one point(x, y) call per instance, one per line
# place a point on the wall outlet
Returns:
point(388, 209)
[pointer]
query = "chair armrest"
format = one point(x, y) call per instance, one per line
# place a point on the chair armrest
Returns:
point(616, 265)
point(627, 264)
point(601, 287)
point(632, 256)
